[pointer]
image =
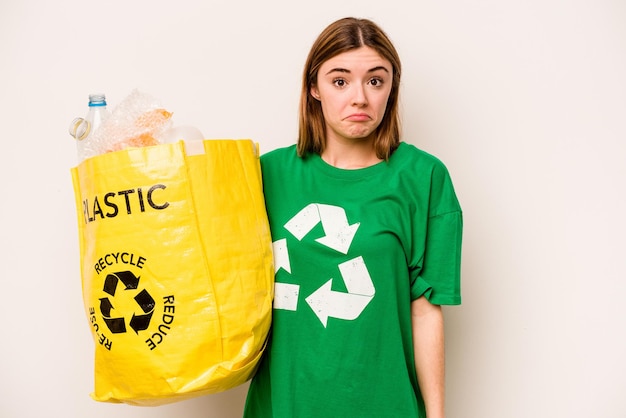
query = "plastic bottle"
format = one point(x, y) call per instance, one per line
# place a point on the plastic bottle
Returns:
point(82, 129)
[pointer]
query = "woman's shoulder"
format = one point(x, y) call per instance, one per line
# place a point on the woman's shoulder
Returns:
point(279, 154)
point(411, 155)
point(424, 166)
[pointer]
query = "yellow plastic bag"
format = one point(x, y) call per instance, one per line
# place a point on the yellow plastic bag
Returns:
point(176, 267)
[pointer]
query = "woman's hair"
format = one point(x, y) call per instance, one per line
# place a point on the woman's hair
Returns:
point(341, 36)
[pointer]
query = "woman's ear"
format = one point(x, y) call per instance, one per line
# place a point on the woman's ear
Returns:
point(315, 93)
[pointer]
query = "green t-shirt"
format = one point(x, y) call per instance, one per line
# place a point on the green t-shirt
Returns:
point(352, 249)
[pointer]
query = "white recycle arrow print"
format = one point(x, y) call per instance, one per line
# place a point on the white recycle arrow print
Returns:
point(285, 294)
point(328, 303)
point(339, 233)
point(281, 255)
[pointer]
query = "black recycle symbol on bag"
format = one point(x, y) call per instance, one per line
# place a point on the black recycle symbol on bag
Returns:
point(145, 302)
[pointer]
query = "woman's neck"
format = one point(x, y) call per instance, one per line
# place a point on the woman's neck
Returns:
point(350, 155)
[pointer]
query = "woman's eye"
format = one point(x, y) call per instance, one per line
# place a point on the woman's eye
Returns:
point(376, 82)
point(339, 82)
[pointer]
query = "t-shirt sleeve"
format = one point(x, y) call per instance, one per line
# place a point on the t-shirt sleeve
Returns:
point(436, 272)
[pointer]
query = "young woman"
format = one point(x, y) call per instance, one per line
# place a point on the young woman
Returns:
point(367, 246)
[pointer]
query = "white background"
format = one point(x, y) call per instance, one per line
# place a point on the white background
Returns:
point(525, 102)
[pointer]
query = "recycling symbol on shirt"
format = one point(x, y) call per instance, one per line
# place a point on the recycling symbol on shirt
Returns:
point(339, 234)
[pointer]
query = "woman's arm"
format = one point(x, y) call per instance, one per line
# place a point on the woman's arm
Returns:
point(428, 344)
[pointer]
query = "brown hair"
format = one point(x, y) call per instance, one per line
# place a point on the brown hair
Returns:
point(341, 36)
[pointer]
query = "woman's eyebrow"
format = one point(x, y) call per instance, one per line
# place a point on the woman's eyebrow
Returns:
point(371, 70)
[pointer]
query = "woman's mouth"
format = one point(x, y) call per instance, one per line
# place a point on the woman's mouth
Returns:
point(358, 117)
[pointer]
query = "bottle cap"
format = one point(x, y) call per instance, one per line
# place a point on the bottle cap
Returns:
point(97, 99)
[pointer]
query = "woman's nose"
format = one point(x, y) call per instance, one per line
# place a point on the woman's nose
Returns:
point(359, 97)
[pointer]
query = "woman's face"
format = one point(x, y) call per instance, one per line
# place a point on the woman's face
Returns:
point(353, 88)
